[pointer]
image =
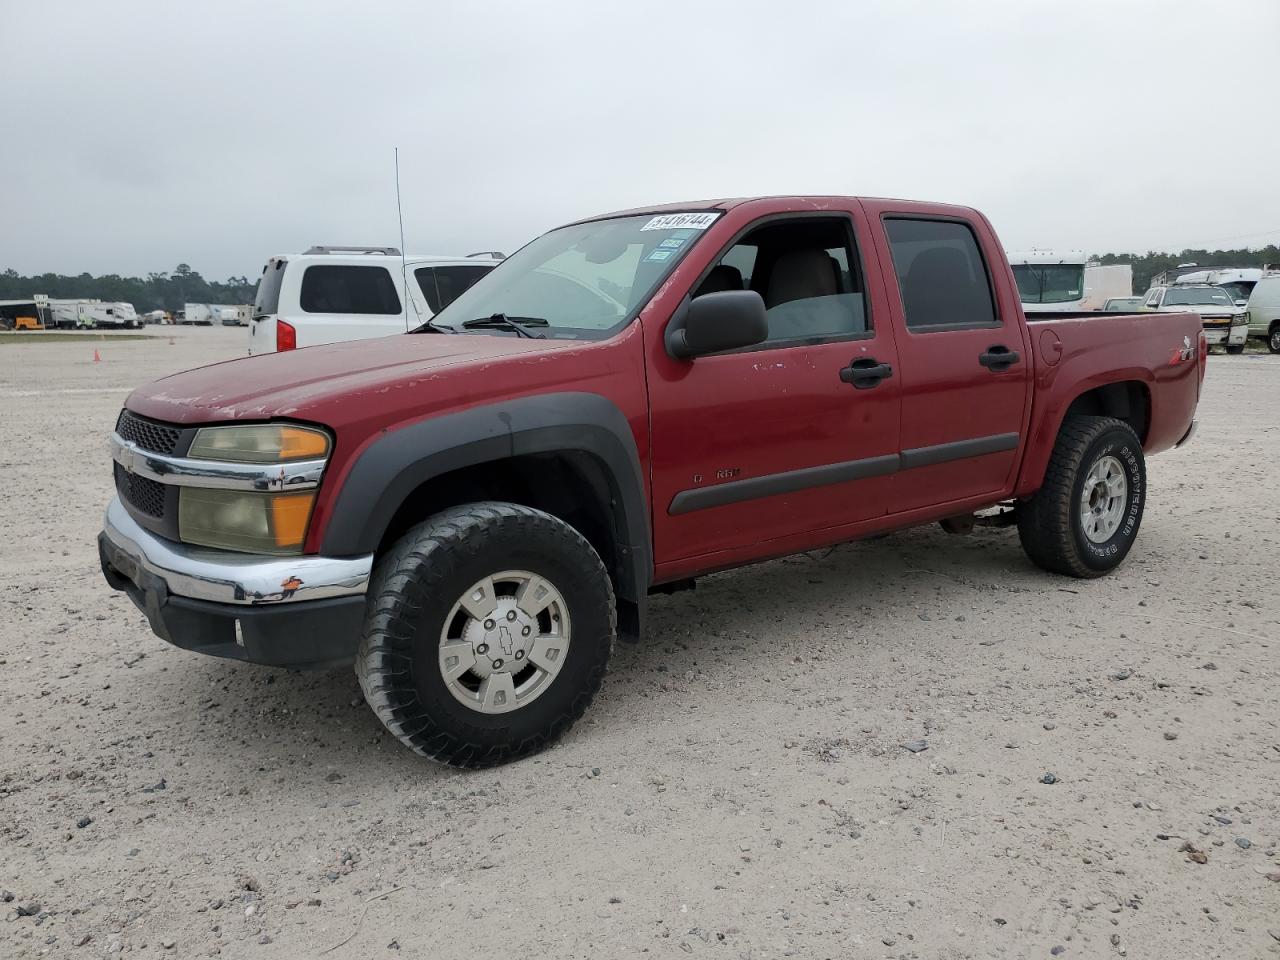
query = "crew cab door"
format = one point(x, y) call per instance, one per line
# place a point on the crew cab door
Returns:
point(756, 449)
point(963, 354)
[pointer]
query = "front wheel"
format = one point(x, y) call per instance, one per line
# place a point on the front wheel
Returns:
point(1085, 516)
point(1235, 349)
point(1273, 339)
point(487, 635)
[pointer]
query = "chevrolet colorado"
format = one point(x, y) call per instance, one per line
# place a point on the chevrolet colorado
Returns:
point(473, 512)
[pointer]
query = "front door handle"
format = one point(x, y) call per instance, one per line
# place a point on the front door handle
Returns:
point(865, 373)
point(998, 358)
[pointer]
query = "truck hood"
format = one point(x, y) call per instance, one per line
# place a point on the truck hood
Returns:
point(313, 382)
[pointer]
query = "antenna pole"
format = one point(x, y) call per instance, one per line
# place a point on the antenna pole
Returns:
point(404, 270)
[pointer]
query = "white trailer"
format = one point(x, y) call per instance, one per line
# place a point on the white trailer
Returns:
point(90, 314)
point(1102, 283)
point(208, 314)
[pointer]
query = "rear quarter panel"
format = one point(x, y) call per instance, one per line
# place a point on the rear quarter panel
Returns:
point(1076, 355)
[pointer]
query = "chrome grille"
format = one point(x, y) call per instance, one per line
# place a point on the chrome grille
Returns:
point(147, 434)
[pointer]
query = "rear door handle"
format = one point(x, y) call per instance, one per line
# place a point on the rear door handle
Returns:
point(865, 373)
point(998, 358)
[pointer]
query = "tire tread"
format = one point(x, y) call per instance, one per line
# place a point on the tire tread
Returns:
point(409, 571)
point(1045, 521)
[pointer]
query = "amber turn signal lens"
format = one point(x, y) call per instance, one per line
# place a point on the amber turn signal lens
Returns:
point(289, 515)
point(297, 443)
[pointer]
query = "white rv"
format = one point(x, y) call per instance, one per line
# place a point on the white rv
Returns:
point(91, 314)
point(1053, 281)
point(1237, 281)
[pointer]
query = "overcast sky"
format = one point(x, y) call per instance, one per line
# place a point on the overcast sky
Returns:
point(137, 135)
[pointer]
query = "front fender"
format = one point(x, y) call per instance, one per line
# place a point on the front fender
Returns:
point(388, 470)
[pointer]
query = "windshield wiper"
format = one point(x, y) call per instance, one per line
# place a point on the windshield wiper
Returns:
point(518, 324)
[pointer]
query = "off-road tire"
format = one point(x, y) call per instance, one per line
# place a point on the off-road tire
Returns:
point(414, 586)
point(1049, 523)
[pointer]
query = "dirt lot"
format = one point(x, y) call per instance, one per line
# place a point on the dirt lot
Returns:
point(740, 788)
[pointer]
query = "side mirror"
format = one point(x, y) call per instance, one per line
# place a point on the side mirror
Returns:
point(1242, 303)
point(717, 321)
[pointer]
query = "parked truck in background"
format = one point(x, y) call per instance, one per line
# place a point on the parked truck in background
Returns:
point(1226, 322)
point(1052, 281)
point(474, 512)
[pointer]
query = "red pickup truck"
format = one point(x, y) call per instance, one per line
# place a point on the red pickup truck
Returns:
point(473, 512)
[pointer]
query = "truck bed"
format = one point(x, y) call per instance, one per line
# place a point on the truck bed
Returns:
point(1141, 353)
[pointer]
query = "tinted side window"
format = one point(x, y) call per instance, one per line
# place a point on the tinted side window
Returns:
point(941, 274)
point(441, 285)
point(806, 272)
point(347, 289)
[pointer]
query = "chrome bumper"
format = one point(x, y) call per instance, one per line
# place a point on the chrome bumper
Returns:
point(221, 576)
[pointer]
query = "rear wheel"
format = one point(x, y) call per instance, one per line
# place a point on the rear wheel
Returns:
point(1273, 339)
point(488, 632)
point(1085, 516)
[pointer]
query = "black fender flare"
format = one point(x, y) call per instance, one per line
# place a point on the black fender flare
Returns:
point(393, 466)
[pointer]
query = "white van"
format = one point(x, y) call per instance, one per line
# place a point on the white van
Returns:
point(1264, 311)
point(335, 294)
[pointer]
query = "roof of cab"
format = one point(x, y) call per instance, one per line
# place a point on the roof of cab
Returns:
point(728, 203)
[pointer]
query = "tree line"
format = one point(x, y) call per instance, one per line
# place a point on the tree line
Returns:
point(158, 291)
point(1147, 265)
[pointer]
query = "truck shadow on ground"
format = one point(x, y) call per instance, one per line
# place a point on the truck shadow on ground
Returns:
point(322, 714)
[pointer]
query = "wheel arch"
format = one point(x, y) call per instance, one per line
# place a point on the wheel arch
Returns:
point(572, 455)
point(1127, 400)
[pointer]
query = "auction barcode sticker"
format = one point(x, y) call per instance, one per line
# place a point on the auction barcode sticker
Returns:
point(674, 221)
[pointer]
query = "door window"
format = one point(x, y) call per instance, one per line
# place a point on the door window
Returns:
point(806, 272)
point(941, 275)
point(349, 289)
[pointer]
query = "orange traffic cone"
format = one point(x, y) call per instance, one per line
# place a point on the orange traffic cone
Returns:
point(96, 358)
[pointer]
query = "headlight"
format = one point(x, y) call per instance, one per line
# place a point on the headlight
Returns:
point(273, 523)
point(260, 443)
point(250, 520)
point(1239, 319)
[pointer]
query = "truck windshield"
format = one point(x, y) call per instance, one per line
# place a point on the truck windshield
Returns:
point(1049, 282)
point(1239, 289)
point(1198, 295)
point(585, 280)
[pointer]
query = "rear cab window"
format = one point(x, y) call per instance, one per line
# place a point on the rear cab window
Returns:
point(943, 279)
point(349, 290)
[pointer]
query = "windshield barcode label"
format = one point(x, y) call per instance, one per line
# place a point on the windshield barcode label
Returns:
point(674, 221)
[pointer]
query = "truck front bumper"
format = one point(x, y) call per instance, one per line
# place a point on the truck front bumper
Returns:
point(1226, 336)
point(284, 611)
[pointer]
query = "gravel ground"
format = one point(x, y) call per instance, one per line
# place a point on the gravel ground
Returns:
point(741, 787)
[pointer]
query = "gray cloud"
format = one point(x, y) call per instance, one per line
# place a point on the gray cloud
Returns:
point(142, 134)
